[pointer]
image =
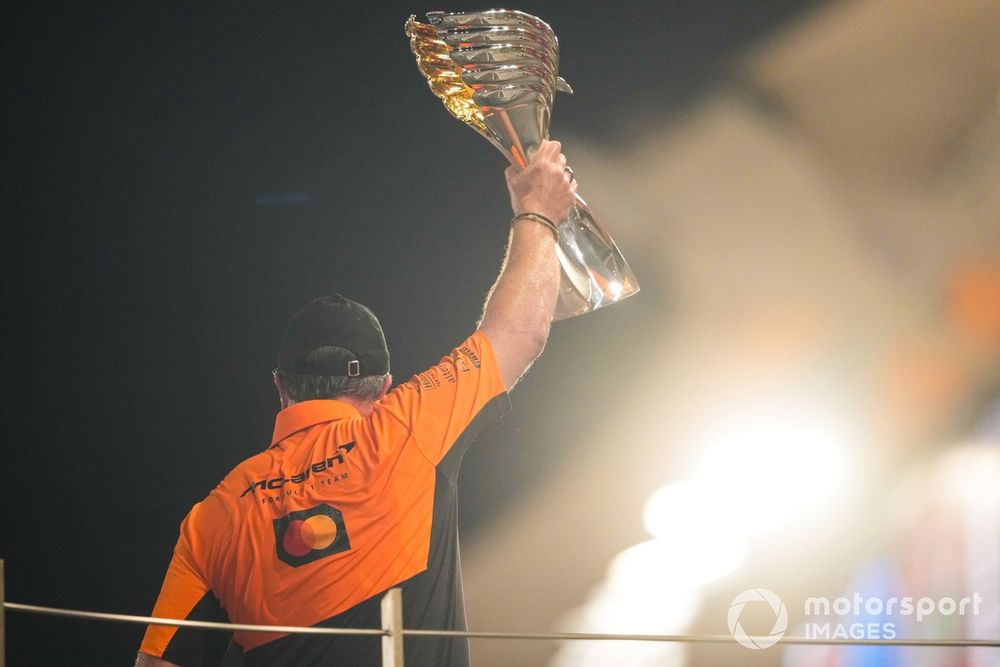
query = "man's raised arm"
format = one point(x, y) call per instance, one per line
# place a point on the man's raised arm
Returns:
point(519, 308)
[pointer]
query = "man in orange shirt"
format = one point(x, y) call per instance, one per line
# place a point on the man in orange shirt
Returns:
point(357, 492)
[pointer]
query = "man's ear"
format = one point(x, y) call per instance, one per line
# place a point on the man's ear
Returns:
point(279, 384)
point(386, 385)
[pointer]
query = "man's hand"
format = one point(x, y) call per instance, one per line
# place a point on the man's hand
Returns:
point(519, 309)
point(546, 186)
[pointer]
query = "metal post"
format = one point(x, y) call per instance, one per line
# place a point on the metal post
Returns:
point(392, 620)
point(3, 642)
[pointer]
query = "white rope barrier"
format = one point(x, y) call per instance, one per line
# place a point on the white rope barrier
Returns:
point(554, 636)
point(699, 639)
point(207, 625)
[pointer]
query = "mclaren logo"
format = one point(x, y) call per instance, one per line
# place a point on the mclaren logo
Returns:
point(307, 535)
point(302, 476)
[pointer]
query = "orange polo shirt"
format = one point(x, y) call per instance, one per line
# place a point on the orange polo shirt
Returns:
point(337, 510)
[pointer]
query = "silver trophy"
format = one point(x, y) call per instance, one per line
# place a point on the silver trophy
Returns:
point(498, 71)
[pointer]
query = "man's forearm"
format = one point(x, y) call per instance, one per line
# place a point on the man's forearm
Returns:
point(518, 311)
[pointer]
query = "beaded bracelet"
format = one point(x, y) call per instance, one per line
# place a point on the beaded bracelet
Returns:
point(537, 217)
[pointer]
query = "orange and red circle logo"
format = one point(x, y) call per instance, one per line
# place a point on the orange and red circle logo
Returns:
point(307, 535)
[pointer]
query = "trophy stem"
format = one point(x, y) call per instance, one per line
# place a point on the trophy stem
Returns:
point(516, 131)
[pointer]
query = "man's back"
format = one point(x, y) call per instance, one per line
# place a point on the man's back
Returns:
point(339, 509)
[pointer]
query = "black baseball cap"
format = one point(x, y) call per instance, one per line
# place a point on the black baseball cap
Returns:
point(334, 335)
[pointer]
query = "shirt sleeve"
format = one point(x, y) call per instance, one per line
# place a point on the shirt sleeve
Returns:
point(186, 595)
point(446, 406)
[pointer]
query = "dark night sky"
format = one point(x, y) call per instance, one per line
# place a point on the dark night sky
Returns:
point(180, 179)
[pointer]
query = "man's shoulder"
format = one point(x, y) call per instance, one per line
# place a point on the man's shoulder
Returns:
point(470, 357)
point(249, 468)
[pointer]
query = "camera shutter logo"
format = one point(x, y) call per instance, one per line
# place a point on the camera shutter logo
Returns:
point(780, 618)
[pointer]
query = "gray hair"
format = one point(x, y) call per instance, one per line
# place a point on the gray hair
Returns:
point(310, 387)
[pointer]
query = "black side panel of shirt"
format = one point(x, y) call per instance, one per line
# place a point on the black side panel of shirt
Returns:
point(193, 647)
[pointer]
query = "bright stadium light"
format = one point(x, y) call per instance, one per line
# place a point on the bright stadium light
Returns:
point(665, 565)
point(691, 507)
point(766, 474)
point(752, 479)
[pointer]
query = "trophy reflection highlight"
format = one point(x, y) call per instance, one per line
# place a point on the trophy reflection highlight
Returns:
point(498, 72)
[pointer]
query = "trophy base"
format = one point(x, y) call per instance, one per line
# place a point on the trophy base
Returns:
point(594, 273)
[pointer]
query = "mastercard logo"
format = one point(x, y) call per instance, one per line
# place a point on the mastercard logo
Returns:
point(307, 535)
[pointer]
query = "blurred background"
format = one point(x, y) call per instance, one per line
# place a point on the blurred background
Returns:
point(804, 397)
